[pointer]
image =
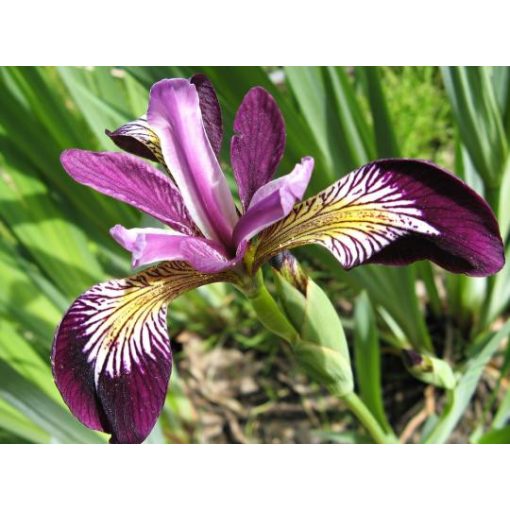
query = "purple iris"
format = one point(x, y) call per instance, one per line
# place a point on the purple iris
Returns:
point(111, 355)
point(206, 229)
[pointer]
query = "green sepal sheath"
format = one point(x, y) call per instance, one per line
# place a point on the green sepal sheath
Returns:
point(321, 348)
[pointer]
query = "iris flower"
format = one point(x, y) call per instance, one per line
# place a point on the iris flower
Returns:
point(111, 356)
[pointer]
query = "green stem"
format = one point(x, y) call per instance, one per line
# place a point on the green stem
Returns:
point(361, 411)
point(267, 310)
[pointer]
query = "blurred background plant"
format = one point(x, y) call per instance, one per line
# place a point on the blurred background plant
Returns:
point(429, 350)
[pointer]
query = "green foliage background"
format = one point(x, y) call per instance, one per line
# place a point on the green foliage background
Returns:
point(54, 240)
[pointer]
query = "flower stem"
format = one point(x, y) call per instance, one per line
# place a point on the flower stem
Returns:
point(361, 411)
point(267, 310)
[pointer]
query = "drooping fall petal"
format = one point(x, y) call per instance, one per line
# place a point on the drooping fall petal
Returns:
point(131, 180)
point(174, 114)
point(111, 355)
point(273, 201)
point(149, 245)
point(137, 138)
point(259, 142)
point(395, 212)
point(211, 111)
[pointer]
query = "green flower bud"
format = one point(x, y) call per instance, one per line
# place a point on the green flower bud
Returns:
point(321, 348)
point(288, 267)
point(428, 369)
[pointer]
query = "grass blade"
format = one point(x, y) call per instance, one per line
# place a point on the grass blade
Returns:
point(33, 403)
point(460, 396)
point(368, 360)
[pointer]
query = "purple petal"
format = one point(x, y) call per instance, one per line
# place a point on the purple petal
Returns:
point(259, 142)
point(395, 211)
point(274, 201)
point(211, 111)
point(137, 138)
point(149, 245)
point(469, 240)
point(112, 360)
point(174, 114)
point(111, 355)
point(130, 180)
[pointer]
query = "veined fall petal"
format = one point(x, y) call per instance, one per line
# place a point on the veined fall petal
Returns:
point(394, 212)
point(136, 137)
point(111, 355)
point(131, 180)
point(174, 114)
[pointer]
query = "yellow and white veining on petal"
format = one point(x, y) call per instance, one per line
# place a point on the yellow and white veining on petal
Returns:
point(354, 218)
point(125, 320)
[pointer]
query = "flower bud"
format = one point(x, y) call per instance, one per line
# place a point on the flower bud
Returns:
point(321, 348)
point(429, 369)
point(288, 267)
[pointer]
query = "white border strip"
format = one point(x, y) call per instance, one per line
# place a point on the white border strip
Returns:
point(254, 477)
point(266, 32)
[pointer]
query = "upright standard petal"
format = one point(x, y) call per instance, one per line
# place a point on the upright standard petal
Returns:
point(174, 114)
point(395, 212)
point(111, 355)
point(137, 138)
point(274, 201)
point(259, 142)
point(130, 180)
point(150, 245)
point(211, 111)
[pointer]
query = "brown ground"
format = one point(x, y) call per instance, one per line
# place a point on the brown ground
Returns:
point(245, 396)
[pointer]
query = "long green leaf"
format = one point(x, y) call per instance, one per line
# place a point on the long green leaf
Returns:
point(500, 436)
point(27, 398)
point(17, 424)
point(386, 141)
point(57, 245)
point(459, 398)
point(367, 356)
point(473, 99)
